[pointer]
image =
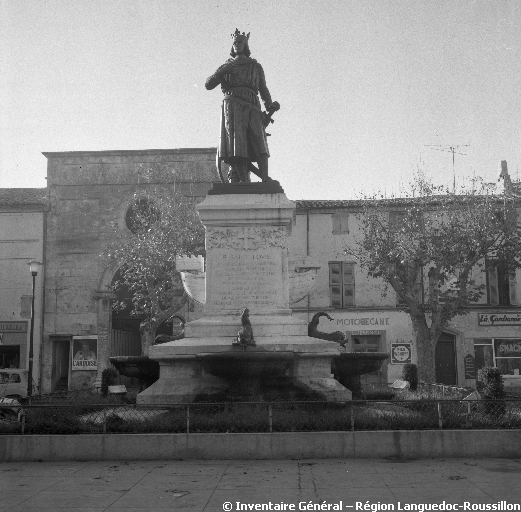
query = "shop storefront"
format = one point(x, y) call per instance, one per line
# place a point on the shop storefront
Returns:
point(500, 345)
point(374, 331)
point(503, 353)
point(378, 332)
point(13, 344)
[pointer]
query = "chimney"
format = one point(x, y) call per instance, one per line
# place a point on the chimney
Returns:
point(509, 188)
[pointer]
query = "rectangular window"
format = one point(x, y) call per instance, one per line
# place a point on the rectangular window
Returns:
point(340, 223)
point(10, 356)
point(501, 285)
point(483, 353)
point(366, 343)
point(410, 221)
point(503, 353)
point(25, 311)
point(507, 352)
point(396, 220)
point(342, 284)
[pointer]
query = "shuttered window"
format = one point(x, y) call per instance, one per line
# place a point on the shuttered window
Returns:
point(501, 286)
point(26, 306)
point(340, 223)
point(341, 284)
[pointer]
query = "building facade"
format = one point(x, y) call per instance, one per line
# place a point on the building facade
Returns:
point(69, 225)
point(90, 197)
point(369, 313)
point(22, 216)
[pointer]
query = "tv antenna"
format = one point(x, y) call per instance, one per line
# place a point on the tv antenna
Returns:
point(447, 148)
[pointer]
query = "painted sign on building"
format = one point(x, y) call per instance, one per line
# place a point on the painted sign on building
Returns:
point(470, 366)
point(401, 353)
point(13, 326)
point(363, 321)
point(496, 320)
point(84, 352)
point(507, 347)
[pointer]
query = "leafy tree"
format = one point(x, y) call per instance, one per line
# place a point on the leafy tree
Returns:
point(442, 241)
point(161, 228)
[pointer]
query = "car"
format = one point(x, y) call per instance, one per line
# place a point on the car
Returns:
point(13, 383)
point(10, 410)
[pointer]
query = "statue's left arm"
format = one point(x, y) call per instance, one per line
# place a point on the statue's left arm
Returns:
point(263, 89)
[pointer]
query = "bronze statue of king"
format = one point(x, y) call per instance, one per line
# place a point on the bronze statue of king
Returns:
point(243, 123)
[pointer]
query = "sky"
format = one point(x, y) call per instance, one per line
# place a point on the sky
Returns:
point(370, 90)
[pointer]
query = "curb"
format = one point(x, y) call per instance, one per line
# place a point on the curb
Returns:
point(250, 446)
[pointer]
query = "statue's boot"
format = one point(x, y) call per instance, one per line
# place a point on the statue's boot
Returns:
point(241, 167)
point(263, 167)
point(232, 176)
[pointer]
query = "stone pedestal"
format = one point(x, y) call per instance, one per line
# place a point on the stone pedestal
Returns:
point(247, 230)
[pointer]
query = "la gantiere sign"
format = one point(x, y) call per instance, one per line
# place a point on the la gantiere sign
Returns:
point(493, 319)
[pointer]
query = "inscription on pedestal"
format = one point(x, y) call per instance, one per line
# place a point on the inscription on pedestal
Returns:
point(246, 238)
point(251, 279)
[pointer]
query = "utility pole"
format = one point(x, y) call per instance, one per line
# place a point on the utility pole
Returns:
point(450, 149)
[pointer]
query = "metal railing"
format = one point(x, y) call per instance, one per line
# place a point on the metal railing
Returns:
point(443, 390)
point(313, 416)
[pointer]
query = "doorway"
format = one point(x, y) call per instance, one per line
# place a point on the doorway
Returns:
point(60, 364)
point(446, 359)
point(371, 343)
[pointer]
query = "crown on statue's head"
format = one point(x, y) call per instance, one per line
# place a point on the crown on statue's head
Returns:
point(237, 33)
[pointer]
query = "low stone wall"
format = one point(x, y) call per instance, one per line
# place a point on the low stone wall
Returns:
point(301, 445)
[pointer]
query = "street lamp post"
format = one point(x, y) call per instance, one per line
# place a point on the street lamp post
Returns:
point(34, 266)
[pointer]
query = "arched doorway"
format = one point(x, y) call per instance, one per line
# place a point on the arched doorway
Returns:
point(446, 359)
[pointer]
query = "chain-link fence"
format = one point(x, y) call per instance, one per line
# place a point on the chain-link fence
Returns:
point(107, 418)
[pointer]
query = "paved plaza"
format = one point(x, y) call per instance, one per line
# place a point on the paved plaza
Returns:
point(377, 484)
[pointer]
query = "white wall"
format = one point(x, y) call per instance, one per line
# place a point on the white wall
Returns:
point(21, 240)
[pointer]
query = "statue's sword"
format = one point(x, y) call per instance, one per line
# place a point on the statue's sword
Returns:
point(267, 116)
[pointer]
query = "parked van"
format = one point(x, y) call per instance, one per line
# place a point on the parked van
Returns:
point(13, 383)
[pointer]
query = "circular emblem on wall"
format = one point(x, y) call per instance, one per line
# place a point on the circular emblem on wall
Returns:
point(401, 353)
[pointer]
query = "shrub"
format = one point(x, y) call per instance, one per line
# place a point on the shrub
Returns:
point(492, 380)
point(108, 378)
point(493, 389)
point(50, 420)
point(410, 374)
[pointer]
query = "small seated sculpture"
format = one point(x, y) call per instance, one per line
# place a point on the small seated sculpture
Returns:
point(245, 334)
point(337, 336)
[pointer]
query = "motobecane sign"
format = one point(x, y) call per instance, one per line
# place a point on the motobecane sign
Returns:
point(491, 319)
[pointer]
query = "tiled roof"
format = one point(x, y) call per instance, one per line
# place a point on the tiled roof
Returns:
point(23, 196)
point(312, 203)
point(353, 203)
point(305, 204)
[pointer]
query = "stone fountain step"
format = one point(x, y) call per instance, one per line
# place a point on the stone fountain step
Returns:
point(193, 346)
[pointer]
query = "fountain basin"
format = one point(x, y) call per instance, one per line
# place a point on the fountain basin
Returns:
point(142, 367)
point(246, 364)
point(348, 366)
